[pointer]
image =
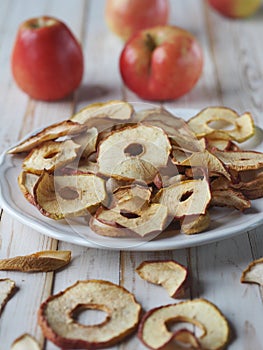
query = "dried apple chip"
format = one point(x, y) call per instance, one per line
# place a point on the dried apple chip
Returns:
point(7, 288)
point(25, 342)
point(230, 198)
point(242, 127)
point(154, 333)
point(71, 195)
point(52, 132)
point(44, 261)
point(115, 109)
point(253, 273)
point(50, 156)
point(170, 274)
point(26, 182)
point(60, 327)
point(195, 223)
point(240, 161)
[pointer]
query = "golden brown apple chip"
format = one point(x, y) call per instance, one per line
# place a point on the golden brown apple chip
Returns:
point(7, 288)
point(253, 273)
point(49, 260)
point(60, 327)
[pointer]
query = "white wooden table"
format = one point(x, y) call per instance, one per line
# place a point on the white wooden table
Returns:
point(233, 76)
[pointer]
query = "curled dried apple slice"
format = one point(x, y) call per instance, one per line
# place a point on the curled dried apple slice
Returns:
point(60, 327)
point(7, 288)
point(26, 182)
point(131, 153)
point(240, 161)
point(71, 195)
point(242, 127)
point(25, 342)
point(150, 220)
point(88, 141)
point(189, 197)
point(154, 332)
point(170, 274)
point(52, 132)
point(253, 273)
point(49, 260)
point(230, 198)
point(132, 198)
point(50, 156)
point(115, 109)
point(195, 223)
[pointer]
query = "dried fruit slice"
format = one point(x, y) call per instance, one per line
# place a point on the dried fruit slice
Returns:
point(243, 126)
point(190, 197)
point(115, 109)
point(50, 156)
point(253, 273)
point(109, 229)
point(230, 198)
point(239, 161)
point(26, 182)
point(193, 224)
point(25, 342)
point(7, 288)
point(49, 260)
point(132, 198)
point(150, 220)
point(60, 327)
point(154, 333)
point(132, 153)
point(71, 195)
point(52, 132)
point(88, 142)
point(171, 275)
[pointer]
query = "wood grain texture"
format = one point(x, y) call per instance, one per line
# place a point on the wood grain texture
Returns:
point(232, 75)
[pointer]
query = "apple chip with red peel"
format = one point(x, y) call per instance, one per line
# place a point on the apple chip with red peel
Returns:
point(44, 261)
point(154, 333)
point(242, 127)
point(26, 182)
point(131, 153)
point(60, 327)
point(71, 195)
point(52, 132)
point(109, 229)
point(50, 155)
point(149, 220)
point(168, 273)
point(115, 109)
point(189, 197)
point(253, 273)
point(25, 342)
point(7, 288)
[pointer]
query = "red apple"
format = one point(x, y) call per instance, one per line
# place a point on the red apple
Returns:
point(235, 8)
point(161, 63)
point(47, 60)
point(126, 17)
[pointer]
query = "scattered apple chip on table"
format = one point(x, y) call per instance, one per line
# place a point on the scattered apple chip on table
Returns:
point(7, 288)
point(253, 273)
point(60, 327)
point(170, 274)
point(25, 342)
point(44, 261)
point(154, 332)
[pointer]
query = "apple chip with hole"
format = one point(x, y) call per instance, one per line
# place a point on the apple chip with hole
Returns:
point(154, 328)
point(130, 153)
point(242, 126)
point(189, 197)
point(50, 155)
point(169, 274)
point(52, 132)
point(71, 195)
point(253, 273)
point(60, 327)
point(153, 219)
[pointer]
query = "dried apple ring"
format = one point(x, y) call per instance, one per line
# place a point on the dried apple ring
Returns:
point(154, 333)
point(243, 126)
point(56, 315)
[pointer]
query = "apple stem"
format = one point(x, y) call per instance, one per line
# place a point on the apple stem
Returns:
point(150, 43)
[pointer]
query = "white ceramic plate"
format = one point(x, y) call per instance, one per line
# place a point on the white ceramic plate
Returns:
point(224, 224)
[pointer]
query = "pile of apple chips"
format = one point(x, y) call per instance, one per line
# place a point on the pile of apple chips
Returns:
point(135, 173)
